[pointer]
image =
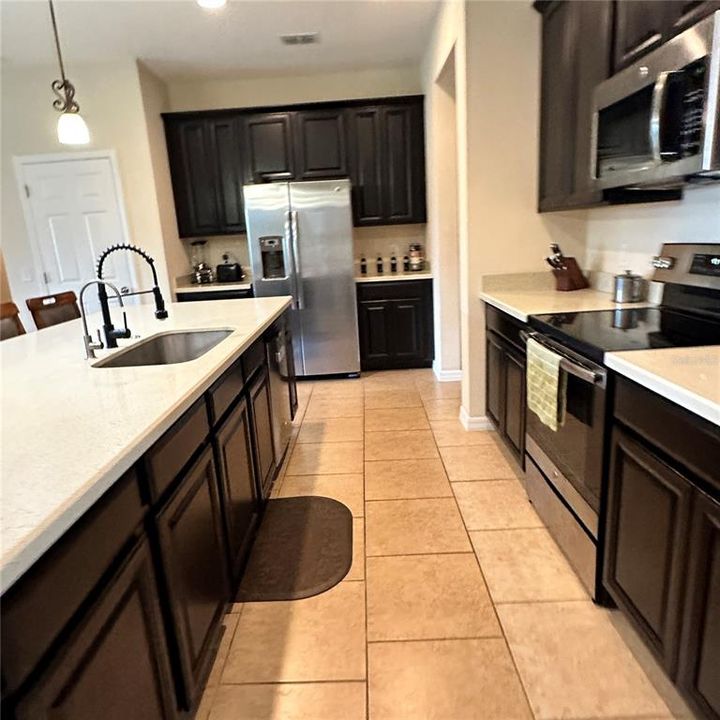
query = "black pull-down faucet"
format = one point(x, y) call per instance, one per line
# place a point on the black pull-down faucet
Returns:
point(111, 333)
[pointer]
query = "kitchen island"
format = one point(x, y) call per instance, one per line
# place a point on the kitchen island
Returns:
point(122, 480)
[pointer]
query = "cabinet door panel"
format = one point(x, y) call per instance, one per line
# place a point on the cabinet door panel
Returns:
point(238, 487)
point(374, 321)
point(699, 674)
point(684, 13)
point(365, 140)
point(639, 28)
point(648, 517)
point(321, 144)
point(495, 381)
point(515, 402)
point(193, 555)
point(262, 431)
point(269, 147)
point(193, 178)
point(115, 665)
point(407, 335)
point(225, 140)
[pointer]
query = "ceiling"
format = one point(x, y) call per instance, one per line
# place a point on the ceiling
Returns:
point(178, 39)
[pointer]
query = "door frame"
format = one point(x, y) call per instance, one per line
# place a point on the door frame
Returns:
point(20, 162)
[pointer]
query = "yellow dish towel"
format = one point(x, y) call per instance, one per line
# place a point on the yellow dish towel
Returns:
point(545, 392)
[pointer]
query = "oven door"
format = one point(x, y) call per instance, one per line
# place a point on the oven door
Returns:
point(571, 457)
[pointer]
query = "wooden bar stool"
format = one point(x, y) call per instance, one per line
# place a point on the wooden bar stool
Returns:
point(10, 323)
point(53, 309)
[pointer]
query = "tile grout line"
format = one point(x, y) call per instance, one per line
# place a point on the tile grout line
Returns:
point(365, 575)
point(487, 589)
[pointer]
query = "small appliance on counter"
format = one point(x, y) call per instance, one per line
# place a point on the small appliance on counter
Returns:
point(629, 288)
point(229, 272)
point(202, 272)
point(566, 270)
point(417, 257)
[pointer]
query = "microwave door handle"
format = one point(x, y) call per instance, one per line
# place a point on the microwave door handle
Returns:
point(656, 115)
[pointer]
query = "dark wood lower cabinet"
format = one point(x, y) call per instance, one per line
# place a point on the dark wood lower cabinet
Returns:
point(505, 379)
point(396, 324)
point(194, 561)
point(261, 414)
point(237, 485)
point(699, 673)
point(648, 519)
point(115, 664)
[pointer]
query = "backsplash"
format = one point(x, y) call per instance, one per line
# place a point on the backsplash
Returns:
point(386, 241)
point(236, 246)
point(627, 237)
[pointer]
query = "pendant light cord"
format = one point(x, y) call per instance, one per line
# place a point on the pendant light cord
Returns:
point(57, 41)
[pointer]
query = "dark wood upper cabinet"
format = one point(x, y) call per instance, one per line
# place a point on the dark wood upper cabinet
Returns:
point(643, 25)
point(640, 26)
point(193, 177)
point(395, 324)
point(699, 673)
point(648, 520)
point(571, 68)
point(321, 144)
point(227, 155)
point(115, 664)
point(388, 163)
point(237, 484)
point(194, 561)
point(269, 147)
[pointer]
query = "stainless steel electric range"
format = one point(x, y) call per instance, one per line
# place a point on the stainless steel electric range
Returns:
point(566, 468)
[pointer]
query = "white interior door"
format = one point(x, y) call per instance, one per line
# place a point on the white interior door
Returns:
point(75, 211)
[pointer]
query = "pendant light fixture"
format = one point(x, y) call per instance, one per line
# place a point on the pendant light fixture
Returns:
point(211, 4)
point(71, 128)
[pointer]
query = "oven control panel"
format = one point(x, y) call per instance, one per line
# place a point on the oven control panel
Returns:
point(694, 264)
point(705, 264)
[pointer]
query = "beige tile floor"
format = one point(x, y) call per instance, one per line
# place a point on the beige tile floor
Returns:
point(458, 604)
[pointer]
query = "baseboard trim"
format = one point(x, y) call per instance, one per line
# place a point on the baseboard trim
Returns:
point(446, 375)
point(475, 422)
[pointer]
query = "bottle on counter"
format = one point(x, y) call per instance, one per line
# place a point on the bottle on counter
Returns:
point(406, 264)
point(363, 265)
point(380, 265)
point(393, 264)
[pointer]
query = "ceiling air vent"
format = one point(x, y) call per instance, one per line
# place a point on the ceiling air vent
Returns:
point(309, 38)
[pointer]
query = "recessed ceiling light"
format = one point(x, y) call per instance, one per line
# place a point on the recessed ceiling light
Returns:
point(308, 38)
point(211, 4)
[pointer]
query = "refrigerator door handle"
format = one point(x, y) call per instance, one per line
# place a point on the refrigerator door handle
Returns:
point(299, 298)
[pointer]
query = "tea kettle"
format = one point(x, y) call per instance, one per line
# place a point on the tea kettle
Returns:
point(628, 287)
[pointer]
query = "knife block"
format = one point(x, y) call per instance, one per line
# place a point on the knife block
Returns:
point(571, 277)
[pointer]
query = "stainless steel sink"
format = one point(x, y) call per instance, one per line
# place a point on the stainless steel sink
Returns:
point(168, 348)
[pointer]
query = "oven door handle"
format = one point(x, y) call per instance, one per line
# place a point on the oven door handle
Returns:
point(593, 375)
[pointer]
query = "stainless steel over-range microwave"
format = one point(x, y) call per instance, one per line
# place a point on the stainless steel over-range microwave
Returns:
point(657, 122)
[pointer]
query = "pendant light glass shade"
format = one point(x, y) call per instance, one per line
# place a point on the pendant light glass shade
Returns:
point(211, 4)
point(72, 130)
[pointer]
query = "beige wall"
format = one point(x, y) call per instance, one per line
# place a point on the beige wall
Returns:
point(110, 100)
point(499, 230)
point(286, 90)
point(5, 294)
point(155, 100)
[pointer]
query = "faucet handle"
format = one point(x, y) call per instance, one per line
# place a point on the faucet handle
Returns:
point(126, 332)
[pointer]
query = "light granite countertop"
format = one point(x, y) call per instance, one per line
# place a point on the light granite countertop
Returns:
point(521, 304)
point(688, 376)
point(390, 276)
point(70, 430)
point(191, 287)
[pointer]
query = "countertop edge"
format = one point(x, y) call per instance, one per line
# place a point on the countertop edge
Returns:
point(509, 309)
point(20, 558)
point(397, 277)
point(212, 287)
point(686, 399)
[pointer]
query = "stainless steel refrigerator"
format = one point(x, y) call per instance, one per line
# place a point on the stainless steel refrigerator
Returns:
point(300, 240)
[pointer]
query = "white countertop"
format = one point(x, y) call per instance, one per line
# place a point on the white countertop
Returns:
point(689, 377)
point(522, 303)
point(212, 287)
point(391, 277)
point(70, 430)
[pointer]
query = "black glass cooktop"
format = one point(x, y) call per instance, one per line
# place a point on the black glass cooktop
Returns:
point(596, 332)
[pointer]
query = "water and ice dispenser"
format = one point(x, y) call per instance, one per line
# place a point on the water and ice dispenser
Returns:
point(273, 257)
